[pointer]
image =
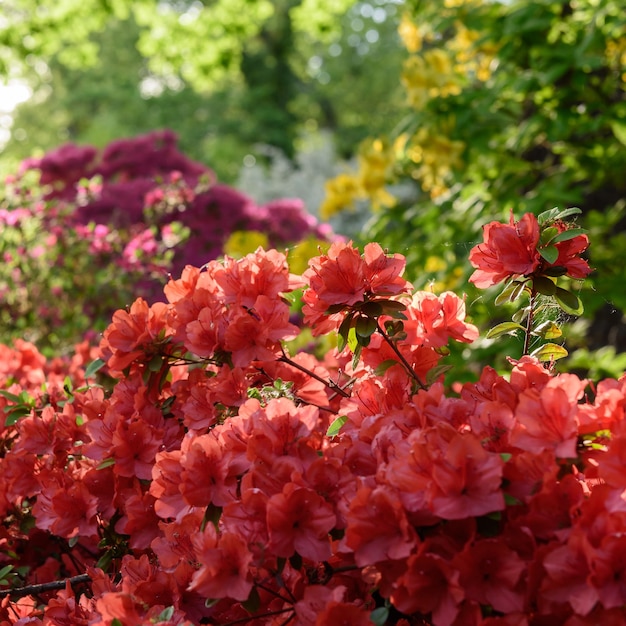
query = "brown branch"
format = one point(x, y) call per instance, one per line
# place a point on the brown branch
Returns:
point(404, 362)
point(33, 590)
point(327, 383)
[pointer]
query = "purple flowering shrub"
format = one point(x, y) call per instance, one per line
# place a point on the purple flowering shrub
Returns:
point(85, 231)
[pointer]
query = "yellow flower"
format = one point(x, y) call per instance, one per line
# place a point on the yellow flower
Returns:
point(410, 34)
point(436, 156)
point(429, 76)
point(242, 242)
point(300, 254)
point(376, 162)
point(341, 192)
point(616, 55)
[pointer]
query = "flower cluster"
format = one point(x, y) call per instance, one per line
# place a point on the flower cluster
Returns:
point(375, 162)
point(223, 480)
point(86, 232)
point(529, 249)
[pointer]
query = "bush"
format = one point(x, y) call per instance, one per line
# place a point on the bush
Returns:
point(224, 479)
point(85, 232)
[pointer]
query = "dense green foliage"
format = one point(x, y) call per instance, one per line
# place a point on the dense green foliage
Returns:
point(263, 79)
point(512, 106)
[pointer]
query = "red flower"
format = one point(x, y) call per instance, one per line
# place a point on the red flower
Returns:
point(344, 277)
point(569, 255)
point(224, 566)
point(490, 573)
point(131, 334)
point(508, 250)
point(548, 418)
point(430, 585)
point(377, 527)
point(299, 521)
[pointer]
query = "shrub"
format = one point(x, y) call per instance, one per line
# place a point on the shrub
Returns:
point(225, 480)
point(85, 232)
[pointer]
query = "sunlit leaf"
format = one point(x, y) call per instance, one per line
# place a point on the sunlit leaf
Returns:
point(503, 329)
point(548, 330)
point(550, 352)
point(569, 234)
point(336, 426)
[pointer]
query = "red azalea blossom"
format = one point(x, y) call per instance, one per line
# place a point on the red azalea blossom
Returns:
point(344, 277)
point(513, 249)
point(508, 250)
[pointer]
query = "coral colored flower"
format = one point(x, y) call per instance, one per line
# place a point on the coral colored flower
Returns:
point(507, 250)
point(548, 418)
point(344, 277)
point(377, 527)
point(490, 572)
point(566, 579)
point(429, 585)
point(569, 254)
point(205, 473)
point(224, 565)
point(131, 334)
point(299, 521)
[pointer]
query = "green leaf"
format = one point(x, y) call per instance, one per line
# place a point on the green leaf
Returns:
point(380, 616)
point(569, 234)
point(619, 130)
point(555, 214)
point(506, 295)
point(549, 352)
point(366, 326)
point(4, 571)
point(155, 364)
point(548, 330)
point(94, 367)
point(555, 271)
point(549, 253)
point(503, 329)
point(335, 308)
point(353, 342)
point(165, 614)
point(384, 366)
point(521, 315)
point(342, 332)
point(106, 463)
point(436, 372)
point(211, 514)
point(392, 305)
point(569, 301)
point(372, 309)
point(15, 414)
point(336, 426)
point(548, 234)
point(10, 396)
point(544, 285)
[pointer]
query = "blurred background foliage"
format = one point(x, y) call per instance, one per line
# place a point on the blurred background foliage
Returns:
point(224, 76)
point(428, 118)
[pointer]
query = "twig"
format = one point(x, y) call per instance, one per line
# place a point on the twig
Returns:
point(529, 321)
point(330, 384)
point(32, 590)
point(399, 354)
